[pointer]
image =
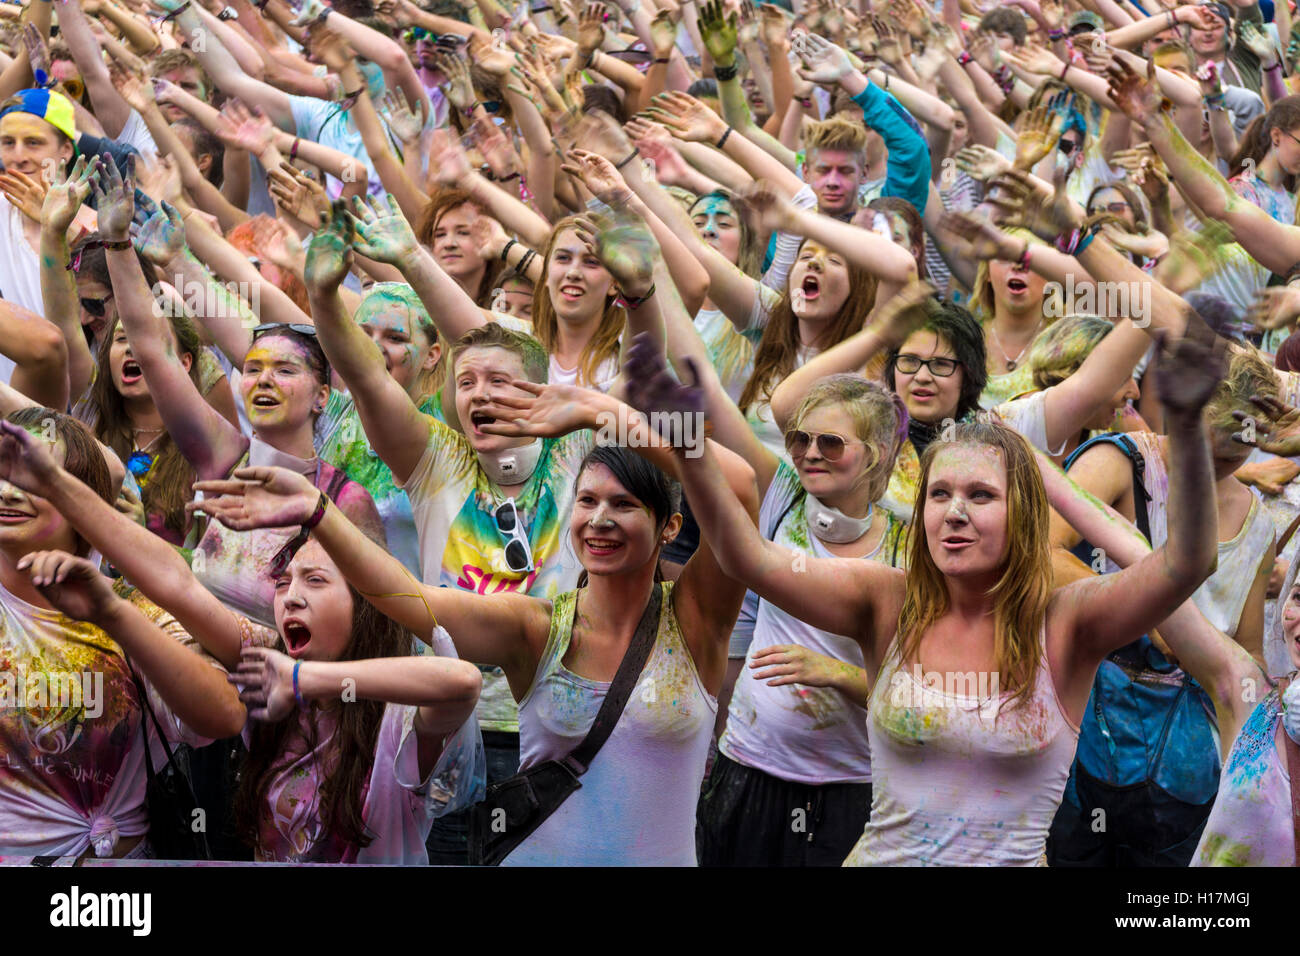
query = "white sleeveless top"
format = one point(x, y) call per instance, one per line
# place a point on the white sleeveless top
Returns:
point(952, 785)
point(637, 803)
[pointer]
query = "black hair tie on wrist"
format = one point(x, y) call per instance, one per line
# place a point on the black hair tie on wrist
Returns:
point(630, 156)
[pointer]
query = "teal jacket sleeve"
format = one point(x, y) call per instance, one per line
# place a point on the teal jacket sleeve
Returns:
point(907, 170)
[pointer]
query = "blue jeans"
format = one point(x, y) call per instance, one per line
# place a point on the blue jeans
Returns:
point(448, 842)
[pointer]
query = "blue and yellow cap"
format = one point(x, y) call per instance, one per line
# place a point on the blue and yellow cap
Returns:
point(54, 108)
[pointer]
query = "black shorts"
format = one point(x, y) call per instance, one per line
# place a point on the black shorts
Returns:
point(749, 818)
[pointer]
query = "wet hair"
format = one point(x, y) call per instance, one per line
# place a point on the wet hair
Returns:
point(597, 96)
point(879, 419)
point(643, 481)
point(374, 634)
point(1024, 586)
point(956, 326)
point(777, 351)
point(1256, 141)
point(749, 258)
point(1061, 348)
point(537, 366)
point(168, 487)
point(1006, 20)
point(1249, 376)
point(83, 458)
point(440, 203)
point(206, 143)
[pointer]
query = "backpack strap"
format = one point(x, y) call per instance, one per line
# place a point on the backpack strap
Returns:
point(1141, 497)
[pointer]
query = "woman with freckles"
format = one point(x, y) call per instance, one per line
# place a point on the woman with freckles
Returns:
point(979, 670)
point(284, 387)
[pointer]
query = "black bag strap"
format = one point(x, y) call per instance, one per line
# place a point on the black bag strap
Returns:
point(144, 725)
point(629, 672)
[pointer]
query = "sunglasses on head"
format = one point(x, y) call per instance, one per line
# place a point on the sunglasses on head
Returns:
point(298, 327)
point(829, 445)
point(95, 307)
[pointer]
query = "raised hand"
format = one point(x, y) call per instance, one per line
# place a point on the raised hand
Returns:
point(747, 29)
point(27, 461)
point(1190, 369)
point(495, 147)
point(381, 231)
point(591, 29)
point(626, 247)
point(537, 411)
point(278, 243)
point(764, 208)
point(457, 86)
point(63, 199)
point(298, 195)
point(489, 237)
point(265, 680)
point(599, 175)
point(1034, 59)
point(114, 201)
point(1136, 98)
point(136, 88)
point(687, 118)
point(242, 128)
point(823, 61)
point(719, 32)
point(448, 162)
point(652, 388)
point(905, 313)
point(1041, 131)
point(162, 238)
point(776, 25)
point(1257, 42)
point(159, 178)
point(73, 585)
point(983, 240)
point(407, 124)
point(1277, 430)
point(38, 54)
point(329, 251)
point(1193, 257)
point(982, 163)
point(1275, 308)
point(24, 193)
point(1018, 202)
point(255, 498)
point(663, 33)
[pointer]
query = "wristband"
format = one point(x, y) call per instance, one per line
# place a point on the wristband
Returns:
point(506, 179)
point(541, 9)
point(1023, 261)
point(506, 251)
point(1064, 70)
point(964, 57)
point(1086, 240)
point(806, 104)
point(1057, 35)
point(631, 302)
point(720, 143)
point(175, 13)
point(525, 262)
point(1068, 242)
point(322, 505)
point(630, 156)
point(724, 73)
point(293, 150)
point(662, 59)
point(1173, 21)
point(297, 691)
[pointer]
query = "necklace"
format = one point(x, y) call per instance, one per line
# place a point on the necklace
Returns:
point(1013, 363)
point(157, 434)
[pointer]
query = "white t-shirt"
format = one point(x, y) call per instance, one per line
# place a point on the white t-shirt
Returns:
point(136, 134)
point(606, 372)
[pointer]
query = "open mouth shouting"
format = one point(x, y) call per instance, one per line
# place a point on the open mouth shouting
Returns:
point(265, 401)
point(131, 372)
point(1017, 285)
point(479, 418)
point(296, 636)
point(811, 287)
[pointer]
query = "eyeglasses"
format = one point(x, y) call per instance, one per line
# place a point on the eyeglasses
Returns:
point(939, 367)
point(519, 553)
point(830, 446)
point(298, 327)
point(1067, 146)
point(1296, 138)
point(95, 307)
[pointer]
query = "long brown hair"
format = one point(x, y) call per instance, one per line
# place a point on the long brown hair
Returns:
point(1021, 594)
point(374, 634)
point(1256, 142)
point(440, 203)
point(778, 349)
point(546, 324)
point(168, 489)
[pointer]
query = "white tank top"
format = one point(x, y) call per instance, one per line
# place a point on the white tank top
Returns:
point(1250, 824)
point(637, 803)
point(953, 786)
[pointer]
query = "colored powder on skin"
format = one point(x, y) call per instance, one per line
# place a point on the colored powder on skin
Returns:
point(711, 207)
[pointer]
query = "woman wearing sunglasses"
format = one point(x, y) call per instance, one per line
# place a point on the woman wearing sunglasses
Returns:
point(284, 385)
point(330, 777)
point(979, 670)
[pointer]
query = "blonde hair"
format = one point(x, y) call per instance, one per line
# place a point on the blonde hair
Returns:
point(838, 132)
point(879, 420)
point(981, 297)
point(1249, 375)
point(603, 345)
point(1024, 587)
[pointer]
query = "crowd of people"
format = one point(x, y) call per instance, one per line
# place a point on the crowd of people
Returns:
point(649, 432)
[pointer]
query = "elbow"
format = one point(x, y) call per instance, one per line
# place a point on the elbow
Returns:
point(47, 349)
point(462, 685)
point(231, 721)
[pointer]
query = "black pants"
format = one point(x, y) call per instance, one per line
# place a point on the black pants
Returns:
point(750, 818)
point(448, 842)
point(1140, 825)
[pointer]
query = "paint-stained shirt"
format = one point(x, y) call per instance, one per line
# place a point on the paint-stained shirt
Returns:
point(460, 547)
point(72, 767)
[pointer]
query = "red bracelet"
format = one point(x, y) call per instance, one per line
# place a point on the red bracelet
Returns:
point(293, 150)
point(1065, 70)
point(1023, 261)
point(322, 505)
point(964, 57)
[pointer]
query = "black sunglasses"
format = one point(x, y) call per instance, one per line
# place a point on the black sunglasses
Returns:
point(298, 327)
point(95, 307)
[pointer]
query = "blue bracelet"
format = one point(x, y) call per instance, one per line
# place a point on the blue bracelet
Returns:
point(297, 694)
point(1085, 240)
